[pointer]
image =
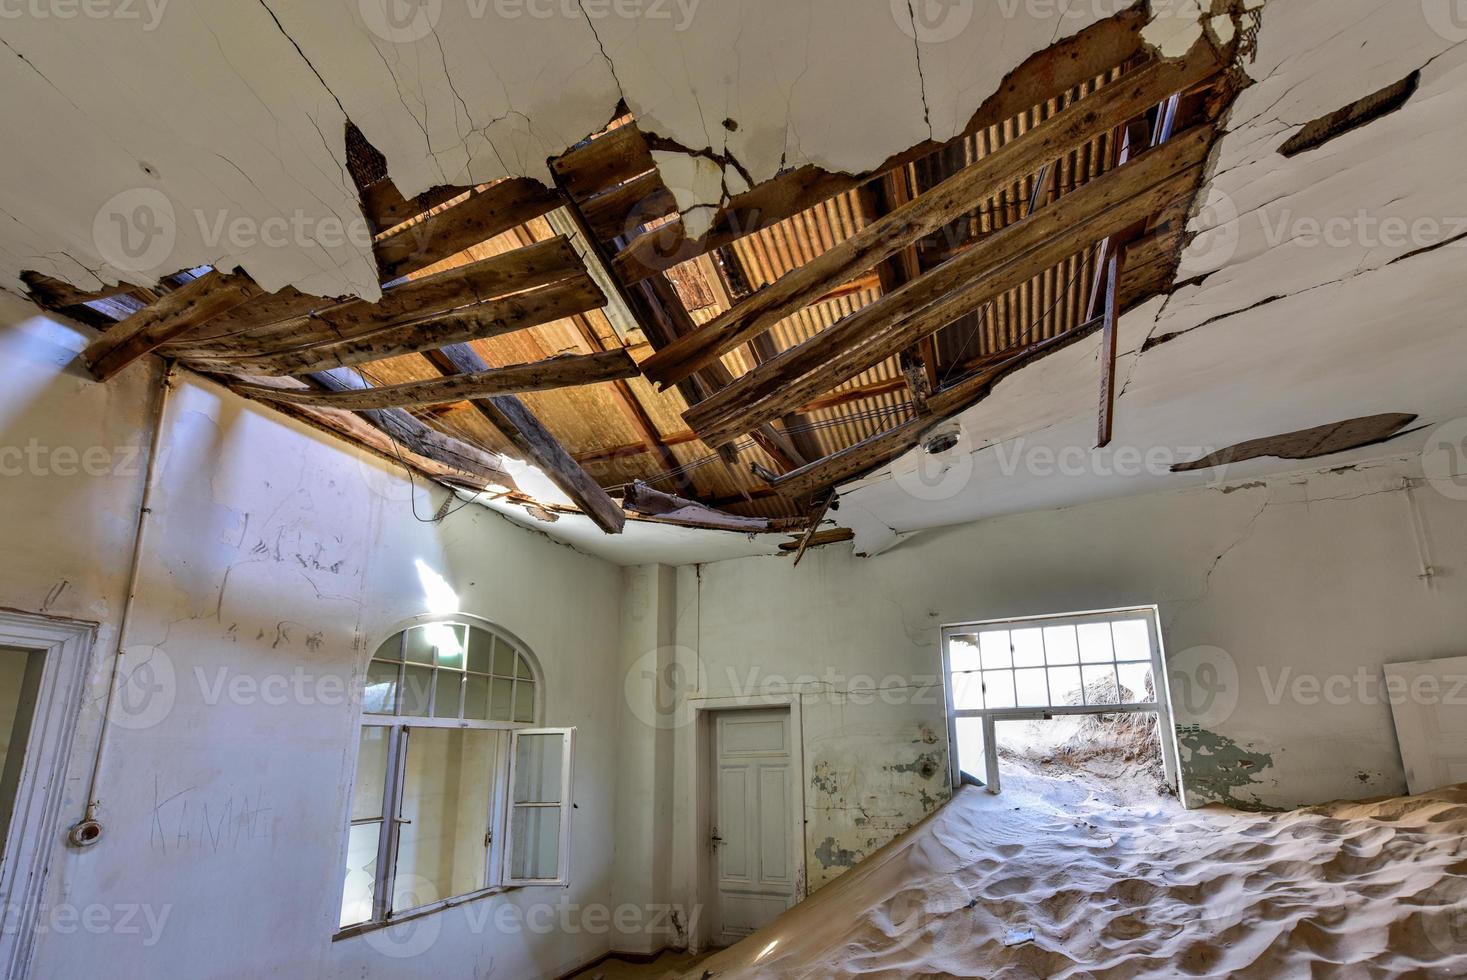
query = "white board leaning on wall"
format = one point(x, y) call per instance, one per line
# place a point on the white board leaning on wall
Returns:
point(1429, 702)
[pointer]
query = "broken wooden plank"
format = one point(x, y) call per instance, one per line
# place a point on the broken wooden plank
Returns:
point(419, 438)
point(1000, 262)
point(557, 372)
point(672, 509)
point(385, 208)
point(817, 514)
point(627, 207)
point(1320, 131)
point(1069, 129)
point(612, 158)
point(878, 450)
point(330, 321)
point(57, 294)
point(835, 535)
point(486, 213)
point(1073, 61)
point(168, 318)
point(541, 449)
point(1108, 344)
point(490, 319)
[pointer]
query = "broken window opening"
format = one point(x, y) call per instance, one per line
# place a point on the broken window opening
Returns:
point(1099, 676)
point(456, 794)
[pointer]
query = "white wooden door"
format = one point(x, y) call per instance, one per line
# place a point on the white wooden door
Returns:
point(753, 821)
point(1429, 701)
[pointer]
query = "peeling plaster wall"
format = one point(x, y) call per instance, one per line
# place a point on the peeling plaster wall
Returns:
point(1280, 584)
point(271, 552)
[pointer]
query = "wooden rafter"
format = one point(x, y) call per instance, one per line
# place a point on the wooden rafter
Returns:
point(556, 372)
point(998, 263)
point(488, 319)
point(1077, 124)
point(541, 449)
point(1071, 62)
point(170, 317)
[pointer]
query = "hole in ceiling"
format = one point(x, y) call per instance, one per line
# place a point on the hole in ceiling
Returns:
point(1324, 440)
point(1352, 116)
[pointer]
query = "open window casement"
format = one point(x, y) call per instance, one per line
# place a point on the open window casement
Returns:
point(538, 849)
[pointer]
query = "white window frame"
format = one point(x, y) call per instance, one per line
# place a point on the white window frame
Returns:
point(990, 717)
point(565, 805)
point(399, 730)
point(35, 824)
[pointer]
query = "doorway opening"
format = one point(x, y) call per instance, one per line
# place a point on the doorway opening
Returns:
point(1074, 702)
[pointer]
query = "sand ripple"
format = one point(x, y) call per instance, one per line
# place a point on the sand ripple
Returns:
point(1351, 890)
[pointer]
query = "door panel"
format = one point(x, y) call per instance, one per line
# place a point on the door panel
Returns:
point(1431, 722)
point(754, 819)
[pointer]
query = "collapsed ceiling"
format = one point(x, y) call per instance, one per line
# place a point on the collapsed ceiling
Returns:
point(818, 256)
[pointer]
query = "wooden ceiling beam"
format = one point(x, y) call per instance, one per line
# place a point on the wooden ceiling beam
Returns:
point(556, 372)
point(419, 438)
point(489, 319)
point(1072, 127)
point(541, 449)
point(882, 448)
point(1063, 66)
point(1006, 259)
point(487, 212)
point(168, 318)
point(314, 320)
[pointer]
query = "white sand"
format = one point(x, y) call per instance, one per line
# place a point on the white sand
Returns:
point(1347, 890)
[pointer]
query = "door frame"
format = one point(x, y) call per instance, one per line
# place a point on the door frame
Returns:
point(698, 738)
point(35, 825)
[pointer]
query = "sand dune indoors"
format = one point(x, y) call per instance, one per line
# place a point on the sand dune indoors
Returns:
point(1345, 890)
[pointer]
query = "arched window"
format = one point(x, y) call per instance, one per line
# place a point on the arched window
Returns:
point(455, 794)
point(453, 670)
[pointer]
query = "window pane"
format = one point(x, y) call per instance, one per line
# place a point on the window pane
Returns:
point(481, 650)
point(537, 768)
point(379, 697)
point(417, 686)
point(20, 688)
point(522, 668)
point(1100, 685)
point(1132, 639)
point(535, 838)
point(1031, 688)
point(970, 747)
point(1136, 685)
point(391, 650)
point(1064, 686)
point(524, 701)
point(1060, 646)
point(371, 781)
point(448, 643)
point(504, 657)
point(996, 651)
point(446, 696)
point(1095, 643)
point(446, 788)
point(999, 688)
point(1028, 647)
point(476, 697)
point(967, 691)
point(962, 653)
point(416, 647)
point(501, 700)
point(361, 873)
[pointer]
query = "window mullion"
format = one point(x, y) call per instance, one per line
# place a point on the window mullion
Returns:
point(391, 811)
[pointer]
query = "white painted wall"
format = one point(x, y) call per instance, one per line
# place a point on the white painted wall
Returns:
point(1302, 579)
point(272, 552)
